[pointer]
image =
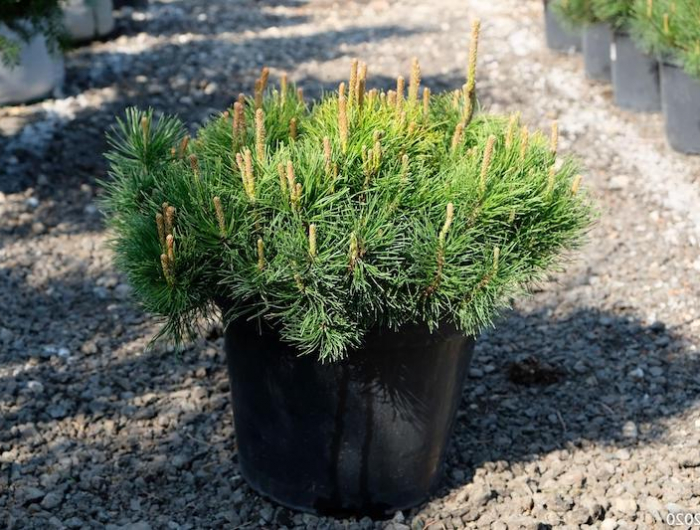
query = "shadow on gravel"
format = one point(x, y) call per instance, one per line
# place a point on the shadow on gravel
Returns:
point(186, 17)
point(618, 382)
point(157, 428)
point(54, 149)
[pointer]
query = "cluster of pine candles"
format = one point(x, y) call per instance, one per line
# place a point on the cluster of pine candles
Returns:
point(356, 98)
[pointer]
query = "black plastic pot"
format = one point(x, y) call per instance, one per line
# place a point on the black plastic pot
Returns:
point(597, 39)
point(118, 4)
point(635, 76)
point(364, 436)
point(680, 98)
point(559, 38)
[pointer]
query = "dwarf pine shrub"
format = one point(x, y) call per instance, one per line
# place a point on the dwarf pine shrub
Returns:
point(670, 29)
point(27, 18)
point(575, 13)
point(367, 208)
point(617, 13)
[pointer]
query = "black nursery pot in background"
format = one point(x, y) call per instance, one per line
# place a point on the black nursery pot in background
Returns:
point(635, 76)
point(559, 37)
point(363, 436)
point(680, 97)
point(597, 39)
point(118, 4)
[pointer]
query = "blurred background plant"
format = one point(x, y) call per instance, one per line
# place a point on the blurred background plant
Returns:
point(670, 29)
point(575, 13)
point(25, 19)
point(617, 13)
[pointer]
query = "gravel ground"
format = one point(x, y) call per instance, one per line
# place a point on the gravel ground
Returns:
point(97, 432)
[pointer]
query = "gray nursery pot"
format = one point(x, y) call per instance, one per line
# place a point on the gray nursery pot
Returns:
point(559, 37)
point(680, 99)
point(36, 76)
point(635, 76)
point(597, 39)
point(88, 19)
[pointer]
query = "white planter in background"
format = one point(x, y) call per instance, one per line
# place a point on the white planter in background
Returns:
point(88, 19)
point(37, 74)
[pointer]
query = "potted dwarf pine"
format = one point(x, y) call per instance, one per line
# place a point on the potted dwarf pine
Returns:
point(31, 65)
point(635, 72)
point(354, 248)
point(671, 30)
point(597, 35)
point(559, 36)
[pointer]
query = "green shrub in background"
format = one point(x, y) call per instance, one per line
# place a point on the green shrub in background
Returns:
point(365, 209)
point(670, 29)
point(577, 13)
point(617, 13)
point(574, 13)
point(27, 18)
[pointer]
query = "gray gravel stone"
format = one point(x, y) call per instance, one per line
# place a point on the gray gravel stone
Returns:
point(625, 505)
point(52, 500)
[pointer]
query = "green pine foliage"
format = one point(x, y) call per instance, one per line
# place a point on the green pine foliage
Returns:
point(575, 13)
point(670, 29)
point(27, 18)
point(617, 13)
point(326, 220)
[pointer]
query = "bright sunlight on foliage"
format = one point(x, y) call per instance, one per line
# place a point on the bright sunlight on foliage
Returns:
point(364, 209)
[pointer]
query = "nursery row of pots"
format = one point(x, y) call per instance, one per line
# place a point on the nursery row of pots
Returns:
point(641, 82)
point(40, 70)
